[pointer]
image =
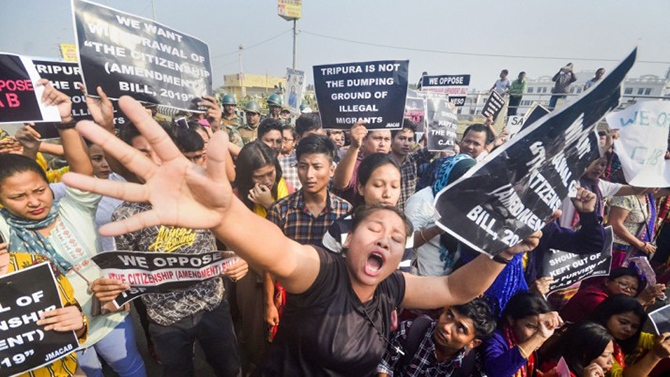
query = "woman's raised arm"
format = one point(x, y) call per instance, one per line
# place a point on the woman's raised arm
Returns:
point(185, 195)
point(73, 146)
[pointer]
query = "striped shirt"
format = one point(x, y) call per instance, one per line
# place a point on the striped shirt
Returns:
point(297, 222)
point(409, 174)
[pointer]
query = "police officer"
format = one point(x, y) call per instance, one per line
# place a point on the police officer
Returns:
point(249, 131)
point(230, 120)
point(275, 105)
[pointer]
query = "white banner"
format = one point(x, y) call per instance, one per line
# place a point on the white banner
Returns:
point(642, 142)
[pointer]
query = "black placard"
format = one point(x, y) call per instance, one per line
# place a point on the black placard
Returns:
point(64, 76)
point(522, 183)
point(24, 345)
point(538, 112)
point(567, 268)
point(160, 272)
point(456, 86)
point(493, 105)
point(442, 130)
point(19, 100)
point(130, 55)
point(415, 110)
point(374, 92)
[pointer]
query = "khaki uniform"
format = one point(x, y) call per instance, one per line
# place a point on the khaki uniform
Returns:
point(231, 126)
point(248, 134)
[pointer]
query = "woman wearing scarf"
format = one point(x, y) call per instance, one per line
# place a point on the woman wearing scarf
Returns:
point(633, 220)
point(64, 232)
point(526, 323)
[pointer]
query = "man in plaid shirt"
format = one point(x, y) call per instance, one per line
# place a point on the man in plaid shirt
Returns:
point(401, 149)
point(305, 125)
point(440, 348)
point(305, 215)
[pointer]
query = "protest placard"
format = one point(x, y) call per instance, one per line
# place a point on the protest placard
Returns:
point(130, 55)
point(493, 105)
point(19, 97)
point(643, 140)
point(533, 114)
point(521, 184)
point(64, 76)
point(294, 90)
point(456, 86)
point(660, 318)
point(442, 130)
point(24, 345)
point(568, 268)
point(514, 123)
point(160, 272)
point(415, 110)
point(372, 92)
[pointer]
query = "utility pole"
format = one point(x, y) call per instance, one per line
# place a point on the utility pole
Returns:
point(243, 90)
point(292, 11)
point(295, 43)
point(153, 9)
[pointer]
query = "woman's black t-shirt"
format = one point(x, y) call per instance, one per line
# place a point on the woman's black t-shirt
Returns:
point(325, 332)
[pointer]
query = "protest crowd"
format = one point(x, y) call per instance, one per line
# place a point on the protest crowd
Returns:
point(295, 243)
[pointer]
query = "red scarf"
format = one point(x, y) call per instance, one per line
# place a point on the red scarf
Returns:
point(619, 356)
point(528, 369)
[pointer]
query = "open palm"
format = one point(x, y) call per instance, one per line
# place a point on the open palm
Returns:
point(181, 193)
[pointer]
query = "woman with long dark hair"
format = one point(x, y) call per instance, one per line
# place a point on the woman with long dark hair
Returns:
point(526, 323)
point(378, 183)
point(258, 180)
point(337, 320)
point(258, 184)
point(624, 318)
point(64, 232)
point(587, 349)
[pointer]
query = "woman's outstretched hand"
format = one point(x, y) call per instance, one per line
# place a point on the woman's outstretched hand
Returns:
point(182, 194)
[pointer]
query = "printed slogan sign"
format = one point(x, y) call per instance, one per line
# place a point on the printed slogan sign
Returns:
point(568, 268)
point(415, 110)
point(493, 105)
point(19, 97)
point(495, 205)
point(456, 86)
point(24, 345)
point(372, 92)
point(161, 272)
point(442, 125)
point(64, 76)
point(130, 55)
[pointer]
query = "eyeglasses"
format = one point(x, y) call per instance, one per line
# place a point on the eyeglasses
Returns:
point(626, 286)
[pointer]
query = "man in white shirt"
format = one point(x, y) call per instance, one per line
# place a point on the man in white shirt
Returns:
point(502, 85)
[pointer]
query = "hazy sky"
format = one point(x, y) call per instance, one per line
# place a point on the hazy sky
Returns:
point(566, 30)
